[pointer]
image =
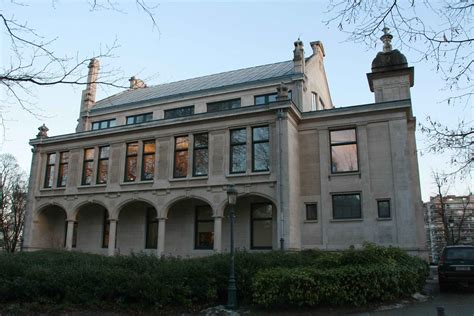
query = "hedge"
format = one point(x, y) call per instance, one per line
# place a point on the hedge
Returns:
point(145, 281)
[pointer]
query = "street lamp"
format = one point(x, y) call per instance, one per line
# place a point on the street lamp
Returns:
point(451, 226)
point(232, 289)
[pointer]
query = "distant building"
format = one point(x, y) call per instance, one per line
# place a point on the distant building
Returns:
point(459, 219)
point(148, 168)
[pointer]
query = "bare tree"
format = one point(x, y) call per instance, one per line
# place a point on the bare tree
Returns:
point(33, 62)
point(13, 192)
point(447, 42)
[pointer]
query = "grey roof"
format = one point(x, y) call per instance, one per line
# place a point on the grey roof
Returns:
point(223, 79)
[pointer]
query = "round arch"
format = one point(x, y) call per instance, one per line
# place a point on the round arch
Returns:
point(125, 203)
point(79, 206)
point(40, 209)
point(179, 199)
point(223, 205)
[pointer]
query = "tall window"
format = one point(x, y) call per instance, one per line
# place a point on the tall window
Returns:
point(140, 118)
point(260, 149)
point(105, 230)
point(204, 227)
point(344, 151)
point(131, 162)
point(104, 124)
point(265, 99)
point(49, 176)
point(223, 105)
point(314, 101)
point(88, 166)
point(383, 208)
point(346, 206)
point(63, 168)
point(103, 164)
point(238, 150)
point(311, 211)
point(261, 226)
point(181, 157)
point(179, 112)
point(201, 155)
point(151, 229)
point(148, 160)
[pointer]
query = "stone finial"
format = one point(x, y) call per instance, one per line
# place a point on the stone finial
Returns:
point(298, 52)
point(43, 131)
point(386, 40)
point(136, 83)
point(282, 90)
point(318, 48)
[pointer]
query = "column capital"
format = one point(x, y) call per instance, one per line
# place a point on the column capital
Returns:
point(71, 220)
point(162, 218)
point(113, 220)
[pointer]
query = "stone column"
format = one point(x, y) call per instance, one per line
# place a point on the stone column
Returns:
point(112, 234)
point(69, 233)
point(218, 233)
point(161, 236)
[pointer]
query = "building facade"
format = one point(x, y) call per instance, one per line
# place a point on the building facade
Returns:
point(457, 227)
point(148, 168)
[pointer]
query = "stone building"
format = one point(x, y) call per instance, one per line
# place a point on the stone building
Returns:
point(148, 168)
point(458, 226)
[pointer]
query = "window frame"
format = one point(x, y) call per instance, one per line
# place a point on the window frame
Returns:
point(99, 160)
point(128, 155)
point(61, 173)
point(151, 244)
point(266, 98)
point(306, 211)
point(136, 116)
point(197, 221)
point(254, 142)
point(346, 194)
point(48, 175)
point(231, 145)
point(176, 150)
point(389, 208)
point(106, 230)
point(172, 110)
point(228, 101)
point(252, 219)
point(144, 155)
point(84, 162)
point(196, 149)
point(355, 142)
point(99, 123)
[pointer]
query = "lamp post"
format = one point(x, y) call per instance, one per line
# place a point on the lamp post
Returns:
point(232, 289)
point(451, 226)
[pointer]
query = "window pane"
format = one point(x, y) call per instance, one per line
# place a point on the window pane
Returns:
point(87, 175)
point(262, 233)
point(131, 169)
point(130, 120)
point(148, 167)
point(62, 175)
point(260, 100)
point(95, 125)
point(383, 209)
point(179, 112)
point(238, 136)
point(260, 133)
point(272, 97)
point(89, 154)
point(239, 158)
point(102, 171)
point(104, 152)
point(346, 206)
point(181, 164)
point(201, 162)
point(51, 159)
point(112, 123)
point(182, 143)
point(205, 235)
point(261, 159)
point(148, 117)
point(344, 158)
point(262, 211)
point(311, 211)
point(49, 176)
point(343, 136)
point(104, 124)
point(132, 149)
point(149, 147)
point(200, 140)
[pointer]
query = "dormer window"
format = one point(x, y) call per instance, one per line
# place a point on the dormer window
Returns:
point(140, 118)
point(223, 105)
point(104, 124)
point(179, 112)
point(265, 99)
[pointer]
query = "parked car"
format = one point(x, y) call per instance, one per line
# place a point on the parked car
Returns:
point(456, 265)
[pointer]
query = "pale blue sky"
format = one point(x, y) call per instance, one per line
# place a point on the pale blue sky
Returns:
point(200, 38)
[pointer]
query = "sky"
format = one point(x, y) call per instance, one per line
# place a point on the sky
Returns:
point(196, 38)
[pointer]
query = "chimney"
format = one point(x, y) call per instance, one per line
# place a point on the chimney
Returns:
point(136, 83)
point(318, 48)
point(391, 78)
point(88, 95)
point(298, 57)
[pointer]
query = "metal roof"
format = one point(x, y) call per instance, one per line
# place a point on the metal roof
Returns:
point(223, 79)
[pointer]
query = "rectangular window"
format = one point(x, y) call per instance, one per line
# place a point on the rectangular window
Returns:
point(261, 226)
point(181, 157)
point(204, 238)
point(260, 149)
point(63, 168)
point(131, 162)
point(311, 211)
point(148, 160)
point(74, 234)
point(104, 124)
point(383, 208)
point(103, 165)
point(179, 112)
point(314, 101)
point(265, 99)
point(88, 166)
point(105, 230)
point(49, 175)
point(238, 150)
point(223, 105)
point(151, 229)
point(344, 151)
point(140, 118)
point(201, 155)
point(346, 206)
